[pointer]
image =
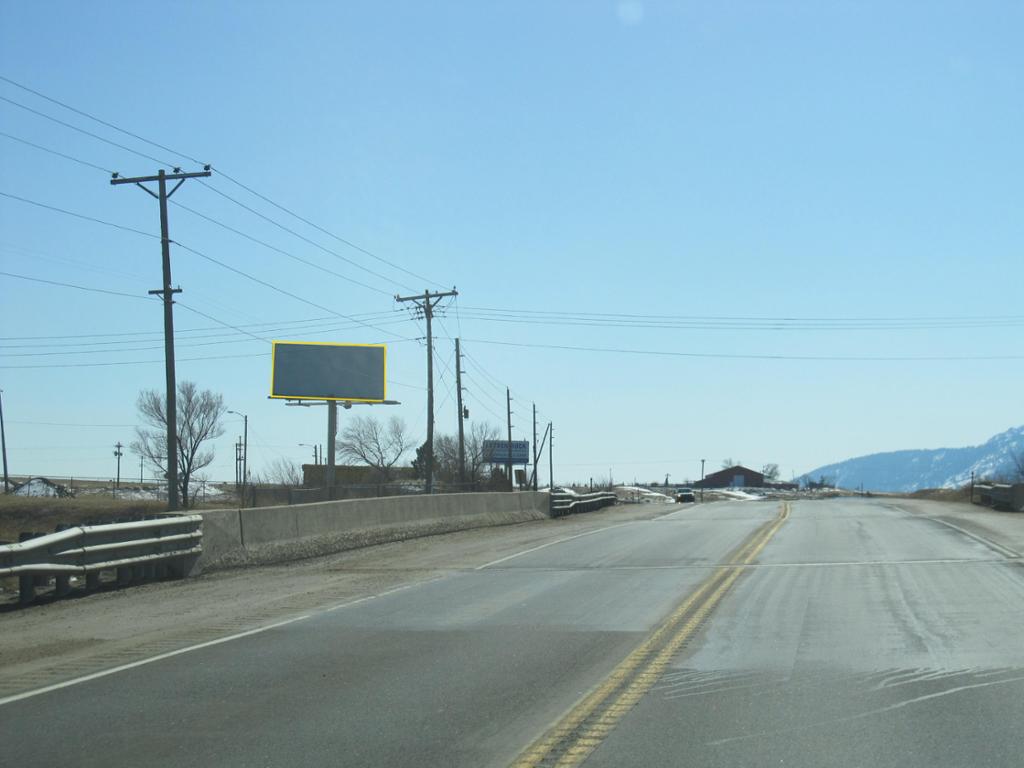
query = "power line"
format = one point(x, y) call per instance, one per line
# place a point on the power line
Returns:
point(96, 119)
point(147, 362)
point(218, 338)
point(737, 322)
point(317, 227)
point(55, 152)
point(62, 424)
point(202, 256)
point(132, 362)
point(96, 136)
point(303, 237)
point(79, 215)
point(316, 321)
point(77, 287)
point(281, 250)
point(230, 178)
point(280, 290)
point(727, 356)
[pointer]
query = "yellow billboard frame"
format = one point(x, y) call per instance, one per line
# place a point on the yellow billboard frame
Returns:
point(273, 360)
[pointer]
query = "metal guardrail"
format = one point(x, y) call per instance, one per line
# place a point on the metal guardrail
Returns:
point(569, 504)
point(136, 551)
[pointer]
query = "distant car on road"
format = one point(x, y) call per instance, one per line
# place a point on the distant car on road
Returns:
point(685, 494)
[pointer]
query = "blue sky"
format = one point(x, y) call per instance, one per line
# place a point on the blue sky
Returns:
point(771, 160)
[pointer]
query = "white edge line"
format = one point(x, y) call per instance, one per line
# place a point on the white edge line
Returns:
point(199, 646)
point(548, 544)
point(150, 660)
point(1005, 551)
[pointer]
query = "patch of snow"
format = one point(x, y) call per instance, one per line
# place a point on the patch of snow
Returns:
point(40, 487)
point(743, 495)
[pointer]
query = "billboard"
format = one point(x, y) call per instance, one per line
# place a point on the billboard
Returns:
point(496, 452)
point(317, 370)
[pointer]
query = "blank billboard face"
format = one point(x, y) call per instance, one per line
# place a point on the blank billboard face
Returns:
point(319, 371)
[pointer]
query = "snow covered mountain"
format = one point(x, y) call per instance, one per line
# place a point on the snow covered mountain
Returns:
point(904, 471)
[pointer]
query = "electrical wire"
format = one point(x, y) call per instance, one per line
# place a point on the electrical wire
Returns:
point(283, 252)
point(78, 287)
point(317, 227)
point(96, 136)
point(79, 215)
point(206, 257)
point(55, 152)
point(728, 356)
point(220, 172)
point(96, 119)
point(305, 239)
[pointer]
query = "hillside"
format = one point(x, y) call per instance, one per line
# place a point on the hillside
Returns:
point(911, 470)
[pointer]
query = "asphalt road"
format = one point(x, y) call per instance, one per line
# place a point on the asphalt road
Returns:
point(833, 633)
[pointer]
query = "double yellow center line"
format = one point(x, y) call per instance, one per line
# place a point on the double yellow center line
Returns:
point(589, 722)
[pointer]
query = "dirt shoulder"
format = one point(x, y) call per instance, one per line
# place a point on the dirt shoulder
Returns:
point(1003, 528)
point(48, 643)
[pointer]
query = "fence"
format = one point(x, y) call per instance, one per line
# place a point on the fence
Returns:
point(1000, 496)
point(134, 551)
point(570, 504)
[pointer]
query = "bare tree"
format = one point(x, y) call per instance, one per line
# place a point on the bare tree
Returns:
point(446, 458)
point(375, 444)
point(770, 472)
point(199, 415)
point(284, 472)
point(730, 463)
point(479, 432)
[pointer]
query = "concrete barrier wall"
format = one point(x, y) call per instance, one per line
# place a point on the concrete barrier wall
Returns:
point(234, 537)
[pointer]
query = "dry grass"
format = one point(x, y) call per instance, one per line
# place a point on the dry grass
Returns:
point(942, 494)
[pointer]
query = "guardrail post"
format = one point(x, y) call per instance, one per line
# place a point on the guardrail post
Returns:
point(26, 588)
point(92, 581)
point(124, 576)
point(62, 584)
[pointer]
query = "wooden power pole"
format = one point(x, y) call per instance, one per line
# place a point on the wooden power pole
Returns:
point(167, 294)
point(426, 302)
point(462, 416)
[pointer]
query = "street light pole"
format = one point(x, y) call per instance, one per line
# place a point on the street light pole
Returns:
point(702, 479)
point(245, 452)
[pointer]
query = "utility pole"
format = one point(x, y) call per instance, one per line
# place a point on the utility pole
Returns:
point(167, 294)
point(540, 452)
point(508, 402)
point(141, 460)
point(238, 465)
point(245, 453)
point(117, 452)
point(536, 454)
point(3, 442)
point(702, 479)
point(426, 303)
point(972, 480)
point(551, 456)
point(462, 416)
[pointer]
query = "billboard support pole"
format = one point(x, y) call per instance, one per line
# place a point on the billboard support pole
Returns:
point(332, 431)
